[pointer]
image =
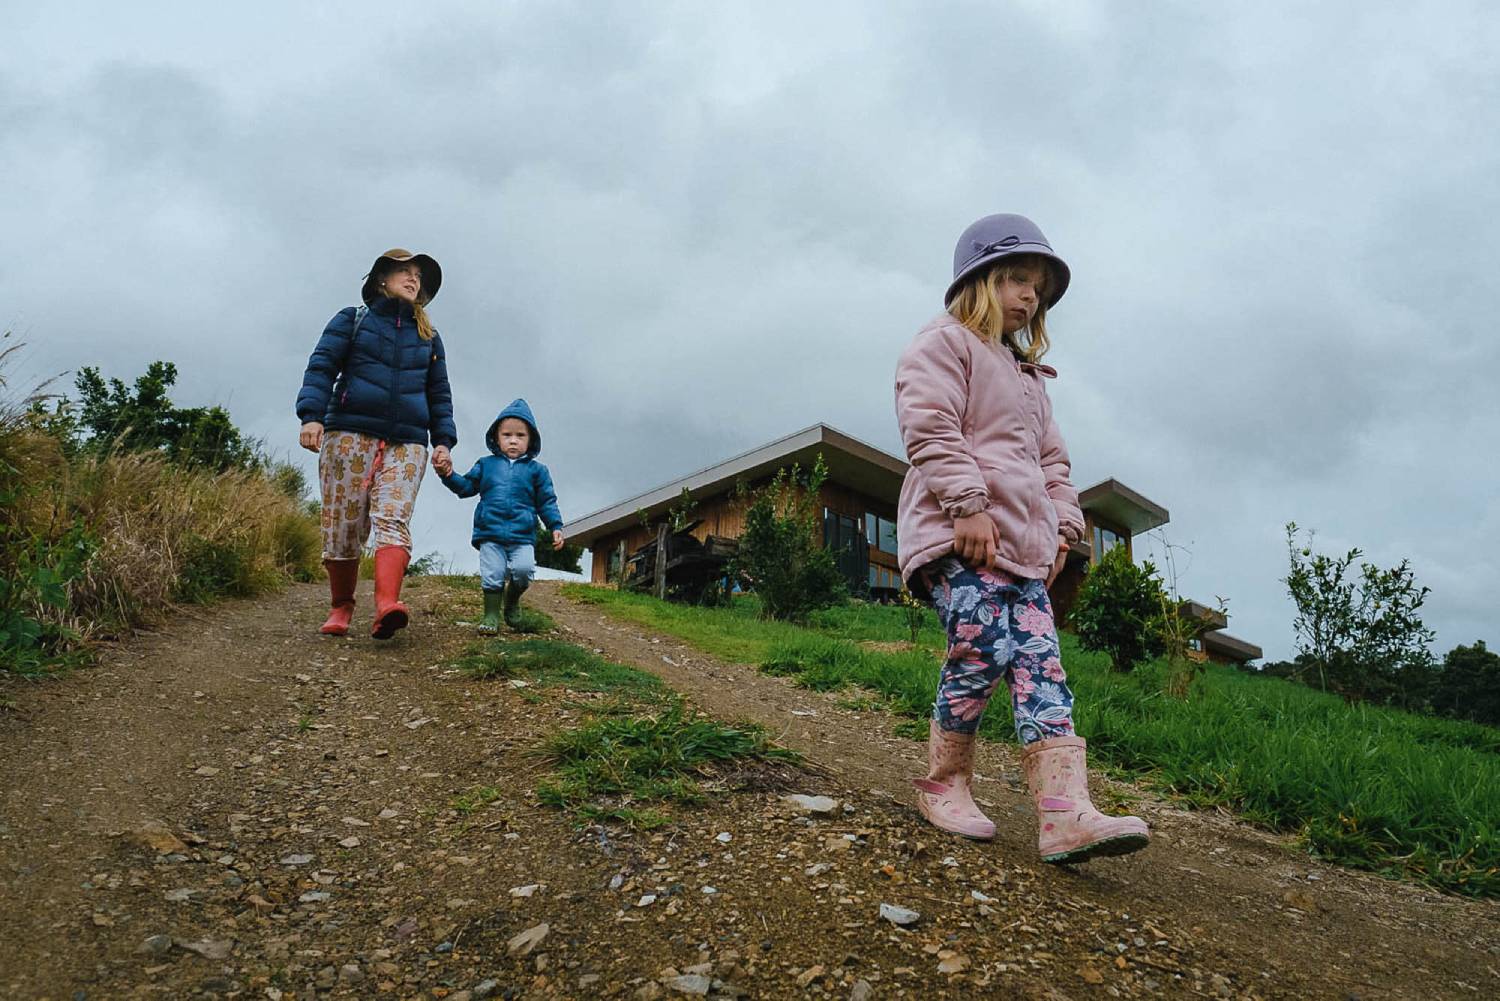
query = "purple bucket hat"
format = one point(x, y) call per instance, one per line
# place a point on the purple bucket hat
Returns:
point(997, 236)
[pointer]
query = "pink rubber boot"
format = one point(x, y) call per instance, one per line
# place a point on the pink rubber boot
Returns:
point(1071, 829)
point(944, 796)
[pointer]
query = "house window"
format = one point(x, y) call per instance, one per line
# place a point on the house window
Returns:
point(880, 533)
point(1105, 540)
point(883, 577)
point(616, 561)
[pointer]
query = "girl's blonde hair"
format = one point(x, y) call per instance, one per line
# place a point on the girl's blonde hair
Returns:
point(976, 305)
point(424, 325)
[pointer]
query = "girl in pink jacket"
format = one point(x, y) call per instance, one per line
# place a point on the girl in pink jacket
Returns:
point(986, 517)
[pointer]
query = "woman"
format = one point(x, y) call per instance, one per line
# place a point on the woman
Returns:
point(374, 394)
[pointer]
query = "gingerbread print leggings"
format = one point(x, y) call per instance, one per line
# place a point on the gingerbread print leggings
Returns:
point(998, 626)
point(367, 483)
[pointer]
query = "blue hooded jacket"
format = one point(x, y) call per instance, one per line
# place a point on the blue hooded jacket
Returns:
point(383, 381)
point(512, 493)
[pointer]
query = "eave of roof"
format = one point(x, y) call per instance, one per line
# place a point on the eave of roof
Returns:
point(1221, 642)
point(1123, 506)
point(851, 463)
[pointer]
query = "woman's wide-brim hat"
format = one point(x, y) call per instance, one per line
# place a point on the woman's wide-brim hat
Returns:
point(432, 275)
point(999, 236)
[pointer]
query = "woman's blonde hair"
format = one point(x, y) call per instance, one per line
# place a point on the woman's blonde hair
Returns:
point(976, 305)
point(424, 325)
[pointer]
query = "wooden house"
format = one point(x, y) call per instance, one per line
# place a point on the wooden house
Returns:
point(858, 503)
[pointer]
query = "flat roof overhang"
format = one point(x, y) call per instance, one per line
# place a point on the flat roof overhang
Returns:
point(1229, 646)
point(1117, 503)
point(851, 463)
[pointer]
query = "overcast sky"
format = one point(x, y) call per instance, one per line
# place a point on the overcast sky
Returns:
point(681, 230)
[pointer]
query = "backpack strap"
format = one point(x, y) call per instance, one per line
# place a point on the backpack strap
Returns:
point(359, 317)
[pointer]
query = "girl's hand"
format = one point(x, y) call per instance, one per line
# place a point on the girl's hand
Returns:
point(311, 437)
point(975, 538)
point(442, 461)
point(557, 540)
point(1062, 558)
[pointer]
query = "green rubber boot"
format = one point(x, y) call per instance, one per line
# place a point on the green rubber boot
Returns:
point(513, 603)
point(491, 621)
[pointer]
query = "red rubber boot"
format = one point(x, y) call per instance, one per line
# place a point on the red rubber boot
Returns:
point(342, 576)
point(390, 614)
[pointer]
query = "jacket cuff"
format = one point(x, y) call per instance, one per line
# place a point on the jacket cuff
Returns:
point(1071, 532)
point(966, 506)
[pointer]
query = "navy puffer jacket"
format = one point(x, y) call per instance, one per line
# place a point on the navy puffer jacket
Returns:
point(384, 381)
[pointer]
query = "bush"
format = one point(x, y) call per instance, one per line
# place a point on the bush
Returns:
point(778, 555)
point(1360, 629)
point(1118, 610)
point(1469, 685)
point(111, 416)
point(569, 558)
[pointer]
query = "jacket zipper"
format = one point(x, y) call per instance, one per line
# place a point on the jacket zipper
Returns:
point(394, 421)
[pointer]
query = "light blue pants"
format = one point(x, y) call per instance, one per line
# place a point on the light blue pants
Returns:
point(497, 562)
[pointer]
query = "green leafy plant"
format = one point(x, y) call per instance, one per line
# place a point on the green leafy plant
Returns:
point(778, 556)
point(143, 419)
point(1360, 627)
point(914, 610)
point(1179, 630)
point(1470, 687)
point(1118, 610)
point(569, 558)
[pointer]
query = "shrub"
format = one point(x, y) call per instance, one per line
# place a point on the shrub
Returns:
point(144, 420)
point(1470, 685)
point(568, 559)
point(1360, 630)
point(778, 555)
point(1118, 610)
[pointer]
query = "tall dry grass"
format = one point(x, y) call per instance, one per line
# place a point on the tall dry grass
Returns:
point(165, 534)
point(95, 544)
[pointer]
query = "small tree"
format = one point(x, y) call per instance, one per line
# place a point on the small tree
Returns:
point(1359, 628)
point(1118, 610)
point(778, 553)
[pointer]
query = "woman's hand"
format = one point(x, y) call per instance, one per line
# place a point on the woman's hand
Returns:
point(1062, 558)
point(975, 538)
point(557, 539)
point(442, 461)
point(311, 437)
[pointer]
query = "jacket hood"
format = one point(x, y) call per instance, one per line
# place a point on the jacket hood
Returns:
point(518, 408)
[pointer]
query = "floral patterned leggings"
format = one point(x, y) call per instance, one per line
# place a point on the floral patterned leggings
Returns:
point(998, 626)
point(367, 482)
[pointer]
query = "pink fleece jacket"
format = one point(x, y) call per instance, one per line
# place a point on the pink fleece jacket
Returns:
point(979, 432)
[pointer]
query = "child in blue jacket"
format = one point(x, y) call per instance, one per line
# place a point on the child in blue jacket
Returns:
point(514, 490)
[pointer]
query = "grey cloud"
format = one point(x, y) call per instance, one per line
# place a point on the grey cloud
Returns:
point(684, 230)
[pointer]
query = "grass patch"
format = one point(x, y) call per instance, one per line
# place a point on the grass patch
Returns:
point(736, 631)
point(624, 768)
point(1363, 786)
point(553, 663)
point(474, 799)
point(906, 679)
point(533, 620)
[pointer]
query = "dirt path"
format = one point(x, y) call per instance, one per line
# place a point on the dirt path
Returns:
point(236, 807)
